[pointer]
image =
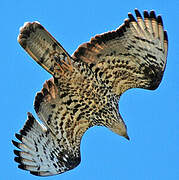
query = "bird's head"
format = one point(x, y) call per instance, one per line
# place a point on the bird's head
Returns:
point(119, 128)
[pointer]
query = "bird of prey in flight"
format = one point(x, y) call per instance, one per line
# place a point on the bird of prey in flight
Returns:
point(85, 88)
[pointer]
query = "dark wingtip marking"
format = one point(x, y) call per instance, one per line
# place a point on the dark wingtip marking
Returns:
point(15, 143)
point(18, 136)
point(131, 17)
point(159, 20)
point(165, 36)
point(21, 166)
point(126, 22)
point(146, 14)
point(137, 13)
point(152, 14)
point(18, 160)
point(29, 121)
point(35, 173)
point(28, 125)
point(38, 99)
point(23, 132)
point(17, 153)
point(29, 115)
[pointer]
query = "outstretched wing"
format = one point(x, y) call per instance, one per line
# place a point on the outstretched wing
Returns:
point(41, 152)
point(132, 56)
point(54, 147)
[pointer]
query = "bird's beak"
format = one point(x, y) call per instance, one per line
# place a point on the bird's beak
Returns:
point(126, 136)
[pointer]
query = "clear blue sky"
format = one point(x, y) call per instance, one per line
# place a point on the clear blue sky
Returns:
point(152, 117)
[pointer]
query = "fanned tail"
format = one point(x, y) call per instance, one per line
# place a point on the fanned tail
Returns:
point(44, 49)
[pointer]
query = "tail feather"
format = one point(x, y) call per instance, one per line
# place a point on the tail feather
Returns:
point(44, 49)
point(40, 150)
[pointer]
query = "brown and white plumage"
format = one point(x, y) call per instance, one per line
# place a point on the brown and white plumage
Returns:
point(86, 87)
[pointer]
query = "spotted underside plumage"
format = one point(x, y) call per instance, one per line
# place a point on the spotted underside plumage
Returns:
point(85, 88)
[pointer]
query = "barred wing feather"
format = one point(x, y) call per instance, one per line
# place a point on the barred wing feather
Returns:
point(132, 56)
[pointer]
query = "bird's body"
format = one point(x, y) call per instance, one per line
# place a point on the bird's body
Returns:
point(85, 88)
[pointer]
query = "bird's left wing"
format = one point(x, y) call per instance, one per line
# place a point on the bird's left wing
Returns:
point(41, 152)
point(54, 147)
point(133, 56)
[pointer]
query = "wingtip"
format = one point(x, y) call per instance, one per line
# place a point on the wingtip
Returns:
point(17, 153)
point(131, 17)
point(137, 13)
point(146, 14)
point(21, 166)
point(152, 14)
point(35, 173)
point(18, 136)
point(18, 159)
point(38, 99)
point(159, 20)
point(126, 22)
point(16, 144)
point(165, 36)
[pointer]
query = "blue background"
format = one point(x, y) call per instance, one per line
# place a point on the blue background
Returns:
point(151, 116)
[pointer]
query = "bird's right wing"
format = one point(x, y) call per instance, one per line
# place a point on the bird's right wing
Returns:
point(133, 56)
